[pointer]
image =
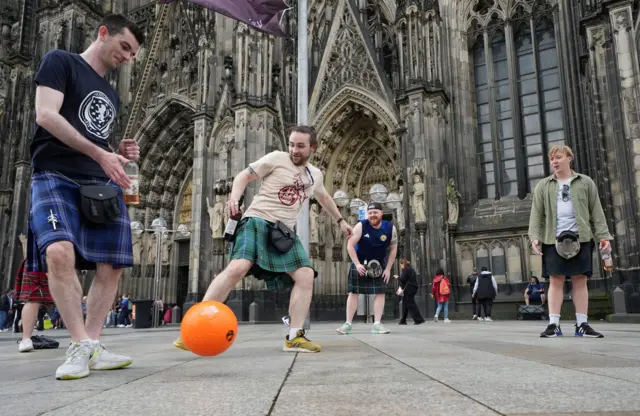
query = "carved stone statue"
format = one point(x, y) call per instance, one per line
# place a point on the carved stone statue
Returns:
point(322, 230)
point(151, 250)
point(337, 232)
point(23, 240)
point(313, 223)
point(353, 219)
point(453, 202)
point(417, 201)
point(400, 211)
point(137, 249)
point(216, 213)
point(166, 248)
point(225, 217)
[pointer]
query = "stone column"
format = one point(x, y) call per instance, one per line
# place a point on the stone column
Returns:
point(18, 221)
point(199, 225)
point(426, 151)
point(627, 71)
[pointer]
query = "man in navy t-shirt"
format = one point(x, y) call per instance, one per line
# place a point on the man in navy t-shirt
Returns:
point(76, 111)
point(372, 239)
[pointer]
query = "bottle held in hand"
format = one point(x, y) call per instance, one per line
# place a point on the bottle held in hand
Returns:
point(230, 231)
point(607, 259)
point(132, 194)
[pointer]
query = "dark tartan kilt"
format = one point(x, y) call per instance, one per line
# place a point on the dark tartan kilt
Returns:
point(363, 284)
point(252, 243)
point(555, 265)
point(54, 196)
point(32, 287)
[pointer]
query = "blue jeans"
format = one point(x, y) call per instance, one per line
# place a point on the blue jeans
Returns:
point(3, 319)
point(446, 309)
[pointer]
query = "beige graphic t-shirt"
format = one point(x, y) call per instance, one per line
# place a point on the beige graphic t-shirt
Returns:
point(284, 188)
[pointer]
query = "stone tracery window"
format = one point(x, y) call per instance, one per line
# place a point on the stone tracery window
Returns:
point(518, 100)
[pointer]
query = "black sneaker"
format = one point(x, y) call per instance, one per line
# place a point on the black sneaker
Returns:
point(585, 330)
point(552, 330)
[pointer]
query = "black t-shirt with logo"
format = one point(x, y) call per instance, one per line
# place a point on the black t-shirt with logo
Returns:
point(90, 105)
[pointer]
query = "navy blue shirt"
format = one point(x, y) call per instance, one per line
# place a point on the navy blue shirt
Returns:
point(90, 105)
point(374, 242)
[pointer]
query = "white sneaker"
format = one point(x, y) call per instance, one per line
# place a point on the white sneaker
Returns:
point(447, 321)
point(26, 345)
point(435, 318)
point(105, 360)
point(474, 317)
point(480, 319)
point(77, 363)
point(488, 320)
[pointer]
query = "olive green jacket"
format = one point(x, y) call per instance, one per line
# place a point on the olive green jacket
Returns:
point(586, 205)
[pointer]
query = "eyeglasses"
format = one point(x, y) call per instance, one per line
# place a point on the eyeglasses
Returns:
point(565, 193)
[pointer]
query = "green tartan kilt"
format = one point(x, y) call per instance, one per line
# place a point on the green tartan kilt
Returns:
point(252, 243)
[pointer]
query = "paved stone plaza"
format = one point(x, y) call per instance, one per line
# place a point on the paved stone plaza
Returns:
point(462, 368)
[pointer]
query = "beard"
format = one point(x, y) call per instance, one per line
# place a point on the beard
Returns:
point(301, 160)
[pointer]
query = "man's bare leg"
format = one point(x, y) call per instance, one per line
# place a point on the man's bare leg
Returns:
point(299, 303)
point(100, 298)
point(301, 295)
point(65, 287)
point(526, 299)
point(29, 318)
point(352, 306)
point(224, 282)
point(378, 307)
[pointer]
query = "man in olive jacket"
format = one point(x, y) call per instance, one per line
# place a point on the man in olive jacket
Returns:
point(565, 208)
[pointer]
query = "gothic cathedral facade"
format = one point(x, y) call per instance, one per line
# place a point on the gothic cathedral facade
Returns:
point(453, 104)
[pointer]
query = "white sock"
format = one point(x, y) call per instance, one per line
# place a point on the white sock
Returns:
point(293, 332)
point(377, 323)
point(348, 323)
point(554, 319)
point(581, 318)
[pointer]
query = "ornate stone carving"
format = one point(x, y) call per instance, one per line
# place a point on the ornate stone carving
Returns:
point(23, 242)
point(453, 200)
point(137, 249)
point(216, 213)
point(349, 62)
point(166, 248)
point(418, 198)
point(313, 222)
point(621, 21)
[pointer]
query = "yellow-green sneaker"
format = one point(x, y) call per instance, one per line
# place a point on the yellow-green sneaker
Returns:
point(300, 344)
point(179, 344)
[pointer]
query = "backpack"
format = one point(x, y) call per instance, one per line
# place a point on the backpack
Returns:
point(444, 289)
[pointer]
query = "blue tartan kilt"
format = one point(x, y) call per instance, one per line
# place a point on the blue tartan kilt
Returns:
point(55, 216)
point(363, 284)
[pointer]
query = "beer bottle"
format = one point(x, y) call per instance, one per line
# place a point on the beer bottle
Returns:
point(132, 194)
point(230, 231)
point(607, 260)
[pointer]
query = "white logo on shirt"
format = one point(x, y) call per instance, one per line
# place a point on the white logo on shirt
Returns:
point(97, 113)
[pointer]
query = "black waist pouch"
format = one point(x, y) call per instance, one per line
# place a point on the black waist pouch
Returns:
point(99, 203)
point(281, 237)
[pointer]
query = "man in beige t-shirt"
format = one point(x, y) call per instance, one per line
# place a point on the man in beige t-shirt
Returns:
point(287, 181)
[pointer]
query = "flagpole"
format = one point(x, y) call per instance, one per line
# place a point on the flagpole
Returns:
point(303, 108)
point(303, 115)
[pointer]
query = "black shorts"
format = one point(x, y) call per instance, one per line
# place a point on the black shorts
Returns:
point(555, 265)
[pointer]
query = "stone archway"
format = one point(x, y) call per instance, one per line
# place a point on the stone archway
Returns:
point(357, 146)
point(166, 154)
point(166, 157)
point(356, 149)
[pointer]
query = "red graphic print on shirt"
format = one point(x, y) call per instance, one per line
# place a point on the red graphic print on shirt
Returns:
point(291, 194)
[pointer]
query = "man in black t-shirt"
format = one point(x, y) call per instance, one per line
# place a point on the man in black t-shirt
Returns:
point(76, 110)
